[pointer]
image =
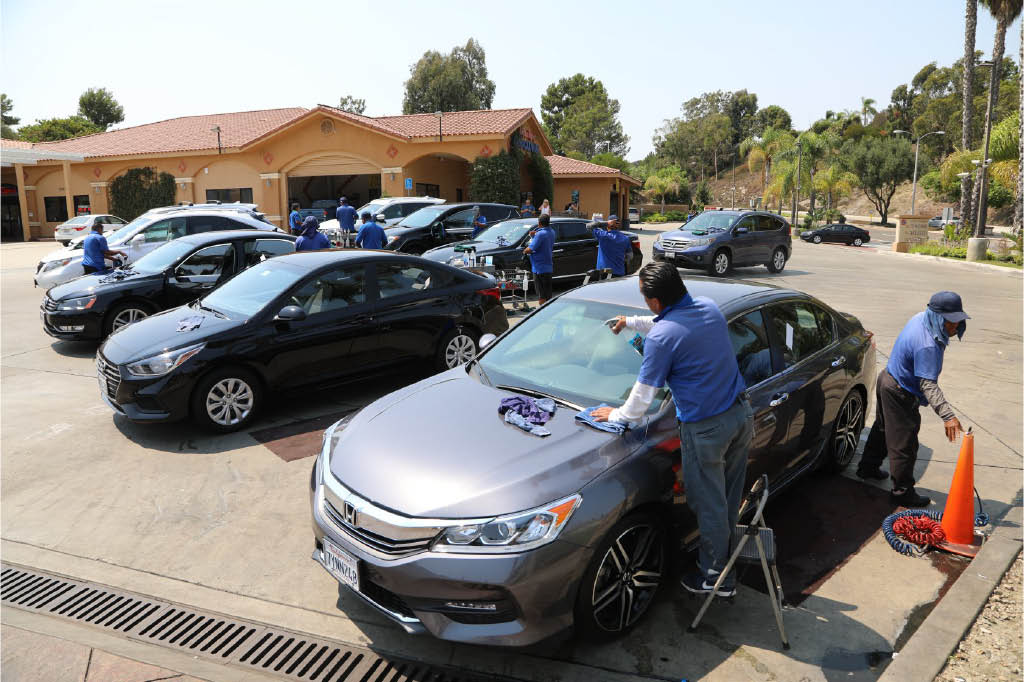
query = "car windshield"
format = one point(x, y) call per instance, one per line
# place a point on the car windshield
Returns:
point(160, 259)
point(78, 220)
point(508, 232)
point(711, 221)
point(373, 208)
point(250, 291)
point(565, 350)
point(423, 217)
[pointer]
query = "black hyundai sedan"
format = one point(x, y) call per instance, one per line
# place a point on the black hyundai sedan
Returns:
point(839, 233)
point(93, 306)
point(433, 226)
point(574, 253)
point(294, 321)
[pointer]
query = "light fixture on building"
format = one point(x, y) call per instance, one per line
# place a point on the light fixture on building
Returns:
point(216, 129)
point(440, 137)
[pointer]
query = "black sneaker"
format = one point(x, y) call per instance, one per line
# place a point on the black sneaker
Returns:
point(874, 474)
point(697, 584)
point(908, 497)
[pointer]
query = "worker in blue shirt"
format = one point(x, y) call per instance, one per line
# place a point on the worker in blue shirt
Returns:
point(910, 380)
point(528, 210)
point(346, 216)
point(295, 219)
point(371, 235)
point(542, 244)
point(688, 349)
point(612, 245)
point(479, 222)
point(312, 239)
point(95, 249)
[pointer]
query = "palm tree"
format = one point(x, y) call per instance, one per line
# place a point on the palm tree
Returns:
point(760, 151)
point(867, 110)
point(1004, 12)
point(834, 183)
point(970, 29)
point(658, 186)
point(814, 150)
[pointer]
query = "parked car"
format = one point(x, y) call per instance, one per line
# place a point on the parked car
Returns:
point(510, 542)
point(938, 223)
point(79, 226)
point(395, 209)
point(180, 271)
point(718, 241)
point(437, 225)
point(319, 213)
point(633, 214)
point(839, 233)
point(298, 320)
point(574, 253)
point(147, 232)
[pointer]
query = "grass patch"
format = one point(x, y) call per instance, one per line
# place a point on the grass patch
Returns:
point(960, 253)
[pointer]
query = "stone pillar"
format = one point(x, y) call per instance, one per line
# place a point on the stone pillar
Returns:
point(910, 230)
point(100, 200)
point(285, 208)
point(185, 191)
point(68, 199)
point(977, 248)
point(19, 175)
point(392, 182)
point(270, 193)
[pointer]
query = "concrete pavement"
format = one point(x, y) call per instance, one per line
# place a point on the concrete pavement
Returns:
point(222, 522)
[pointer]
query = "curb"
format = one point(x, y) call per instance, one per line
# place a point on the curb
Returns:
point(928, 649)
point(1011, 272)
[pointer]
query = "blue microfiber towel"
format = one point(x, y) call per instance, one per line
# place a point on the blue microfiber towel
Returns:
point(583, 416)
point(515, 419)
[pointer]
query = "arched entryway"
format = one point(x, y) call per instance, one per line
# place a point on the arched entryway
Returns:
point(317, 180)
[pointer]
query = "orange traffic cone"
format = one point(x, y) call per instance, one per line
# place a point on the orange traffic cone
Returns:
point(958, 518)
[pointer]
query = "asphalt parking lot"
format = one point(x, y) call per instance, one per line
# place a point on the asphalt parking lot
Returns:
point(222, 522)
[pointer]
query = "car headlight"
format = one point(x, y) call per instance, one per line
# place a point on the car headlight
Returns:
point(455, 260)
point(158, 365)
point(76, 304)
point(703, 241)
point(54, 264)
point(512, 533)
point(392, 240)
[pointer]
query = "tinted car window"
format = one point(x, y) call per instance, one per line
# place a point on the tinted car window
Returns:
point(495, 213)
point(460, 219)
point(259, 250)
point(748, 222)
point(411, 207)
point(396, 279)
point(211, 260)
point(333, 290)
point(572, 231)
point(802, 329)
point(750, 343)
point(164, 230)
point(393, 211)
point(766, 223)
point(208, 223)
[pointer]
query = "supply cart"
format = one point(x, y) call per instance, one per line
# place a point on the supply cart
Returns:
point(514, 285)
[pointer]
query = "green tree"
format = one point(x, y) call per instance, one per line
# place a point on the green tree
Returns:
point(99, 106)
point(967, 98)
point(702, 197)
point(53, 129)
point(140, 189)
point(880, 165)
point(742, 111)
point(456, 81)
point(761, 150)
point(835, 183)
point(352, 104)
point(867, 110)
point(772, 116)
point(579, 116)
point(495, 178)
point(665, 182)
point(6, 107)
point(611, 160)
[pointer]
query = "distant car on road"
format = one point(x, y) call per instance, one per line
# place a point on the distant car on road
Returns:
point(79, 226)
point(633, 214)
point(938, 222)
point(839, 233)
point(717, 241)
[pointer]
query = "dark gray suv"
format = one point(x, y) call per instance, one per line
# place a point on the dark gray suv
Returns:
point(718, 241)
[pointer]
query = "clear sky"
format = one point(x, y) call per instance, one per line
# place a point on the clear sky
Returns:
point(163, 59)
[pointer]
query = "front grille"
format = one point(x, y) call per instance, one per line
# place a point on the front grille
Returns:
point(378, 543)
point(386, 599)
point(675, 243)
point(49, 305)
point(110, 374)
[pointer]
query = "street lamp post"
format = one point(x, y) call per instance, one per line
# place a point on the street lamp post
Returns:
point(917, 152)
point(796, 195)
point(440, 137)
point(979, 226)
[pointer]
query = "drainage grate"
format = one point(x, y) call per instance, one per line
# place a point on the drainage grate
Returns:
point(234, 642)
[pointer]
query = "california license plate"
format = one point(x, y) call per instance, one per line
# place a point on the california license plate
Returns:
point(342, 565)
point(102, 382)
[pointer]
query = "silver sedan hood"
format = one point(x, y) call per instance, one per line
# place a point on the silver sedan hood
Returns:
point(439, 449)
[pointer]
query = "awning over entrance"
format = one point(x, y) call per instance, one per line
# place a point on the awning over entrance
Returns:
point(334, 164)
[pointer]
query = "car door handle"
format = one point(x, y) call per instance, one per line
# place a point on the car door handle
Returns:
point(557, 250)
point(768, 420)
point(778, 399)
point(839, 362)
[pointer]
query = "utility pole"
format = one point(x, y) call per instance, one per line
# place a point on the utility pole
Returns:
point(735, 159)
point(917, 153)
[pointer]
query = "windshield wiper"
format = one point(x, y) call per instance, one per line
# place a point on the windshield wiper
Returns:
point(199, 304)
point(480, 369)
point(541, 394)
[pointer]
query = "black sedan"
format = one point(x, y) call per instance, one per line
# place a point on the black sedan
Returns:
point(93, 306)
point(441, 224)
point(574, 254)
point(840, 233)
point(298, 320)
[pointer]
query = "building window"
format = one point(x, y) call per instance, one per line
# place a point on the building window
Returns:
point(229, 196)
point(458, 194)
point(82, 205)
point(425, 190)
point(56, 209)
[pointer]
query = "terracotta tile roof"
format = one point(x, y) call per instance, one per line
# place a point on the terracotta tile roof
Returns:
point(563, 165)
point(188, 133)
point(15, 144)
point(483, 122)
point(368, 121)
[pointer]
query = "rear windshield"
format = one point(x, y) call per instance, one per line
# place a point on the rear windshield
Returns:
point(78, 220)
point(423, 217)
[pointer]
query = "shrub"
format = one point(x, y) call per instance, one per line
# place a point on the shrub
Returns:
point(937, 249)
point(653, 218)
point(542, 181)
point(495, 179)
point(139, 190)
point(674, 216)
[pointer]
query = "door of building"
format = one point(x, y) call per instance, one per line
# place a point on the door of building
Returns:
point(10, 219)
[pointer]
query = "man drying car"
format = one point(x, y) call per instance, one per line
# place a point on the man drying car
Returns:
point(96, 249)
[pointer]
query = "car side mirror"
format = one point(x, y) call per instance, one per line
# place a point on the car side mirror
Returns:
point(291, 313)
point(139, 239)
point(486, 340)
point(381, 218)
point(742, 230)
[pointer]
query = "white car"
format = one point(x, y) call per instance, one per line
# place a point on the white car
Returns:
point(144, 234)
point(395, 208)
point(80, 226)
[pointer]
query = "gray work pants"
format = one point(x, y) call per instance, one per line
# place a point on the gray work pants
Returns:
point(715, 454)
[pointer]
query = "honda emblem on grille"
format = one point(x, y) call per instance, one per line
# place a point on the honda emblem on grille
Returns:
point(350, 514)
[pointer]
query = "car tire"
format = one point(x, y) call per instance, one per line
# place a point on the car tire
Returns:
point(63, 243)
point(124, 314)
point(845, 434)
point(816, 239)
point(721, 264)
point(778, 261)
point(457, 347)
point(608, 603)
point(227, 399)
point(858, 241)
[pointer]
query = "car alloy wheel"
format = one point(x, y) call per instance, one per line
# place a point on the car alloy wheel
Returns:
point(858, 241)
point(778, 261)
point(846, 433)
point(817, 239)
point(459, 350)
point(627, 578)
point(229, 402)
point(721, 263)
point(127, 316)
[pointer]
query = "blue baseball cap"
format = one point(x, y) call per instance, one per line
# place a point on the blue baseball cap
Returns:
point(949, 305)
point(612, 217)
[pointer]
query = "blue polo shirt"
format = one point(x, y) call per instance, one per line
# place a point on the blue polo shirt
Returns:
point(346, 216)
point(612, 247)
point(689, 350)
point(479, 225)
point(315, 243)
point(541, 246)
point(295, 220)
point(528, 210)
point(916, 355)
point(94, 246)
point(371, 236)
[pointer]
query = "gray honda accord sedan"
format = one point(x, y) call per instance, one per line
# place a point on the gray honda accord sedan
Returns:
point(427, 505)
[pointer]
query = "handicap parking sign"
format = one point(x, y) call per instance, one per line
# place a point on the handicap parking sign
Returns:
point(408, 183)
